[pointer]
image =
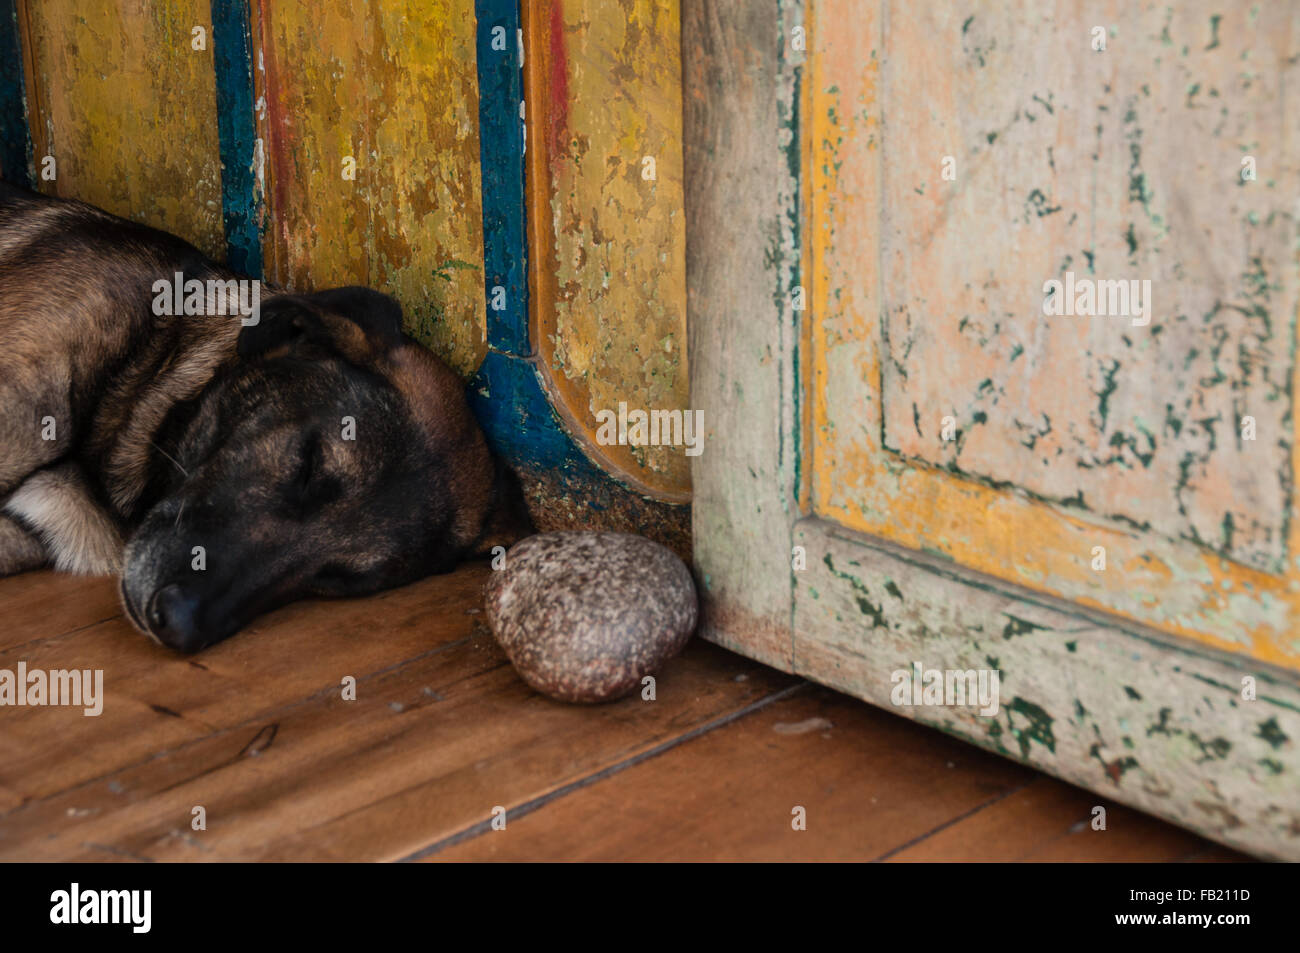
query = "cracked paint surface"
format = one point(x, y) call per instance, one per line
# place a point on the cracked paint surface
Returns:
point(611, 315)
point(1100, 167)
point(1078, 690)
point(1133, 718)
point(1072, 432)
point(129, 112)
point(396, 88)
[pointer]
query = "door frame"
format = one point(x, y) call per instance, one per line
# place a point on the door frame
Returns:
point(1139, 716)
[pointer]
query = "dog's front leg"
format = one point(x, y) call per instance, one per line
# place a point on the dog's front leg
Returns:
point(19, 549)
point(57, 506)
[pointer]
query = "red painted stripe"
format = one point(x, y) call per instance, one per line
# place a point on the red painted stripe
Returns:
point(558, 105)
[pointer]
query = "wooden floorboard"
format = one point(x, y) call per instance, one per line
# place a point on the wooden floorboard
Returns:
point(1048, 820)
point(873, 786)
point(442, 732)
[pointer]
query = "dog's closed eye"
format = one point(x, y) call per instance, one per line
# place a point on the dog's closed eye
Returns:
point(312, 485)
point(336, 578)
point(335, 574)
point(310, 462)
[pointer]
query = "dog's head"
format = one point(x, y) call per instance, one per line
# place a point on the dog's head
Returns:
point(335, 457)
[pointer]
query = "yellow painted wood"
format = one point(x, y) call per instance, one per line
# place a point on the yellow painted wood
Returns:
point(886, 232)
point(609, 298)
point(392, 85)
point(128, 110)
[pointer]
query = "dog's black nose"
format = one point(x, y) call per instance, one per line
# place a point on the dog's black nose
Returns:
point(173, 617)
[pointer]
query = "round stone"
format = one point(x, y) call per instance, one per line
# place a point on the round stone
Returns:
point(584, 616)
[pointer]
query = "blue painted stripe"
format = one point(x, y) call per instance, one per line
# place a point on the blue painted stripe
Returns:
point(15, 134)
point(506, 393)
point(237, 134)
point(518, 419)
point(501, 160)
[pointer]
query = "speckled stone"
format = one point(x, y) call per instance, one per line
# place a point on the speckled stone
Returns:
point(584, 616)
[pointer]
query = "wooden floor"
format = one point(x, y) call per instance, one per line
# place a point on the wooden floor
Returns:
point(442, 731)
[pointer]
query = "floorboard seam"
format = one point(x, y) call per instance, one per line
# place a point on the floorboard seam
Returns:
point(43, 639)
point(956, 820)
point(528, 807)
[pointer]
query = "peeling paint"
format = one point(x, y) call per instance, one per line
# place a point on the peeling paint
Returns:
point(343, 82)
point(1071, 432)
point(129, 112)
point(611, 322)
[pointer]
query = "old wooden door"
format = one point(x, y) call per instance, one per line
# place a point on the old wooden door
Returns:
point(913, 465)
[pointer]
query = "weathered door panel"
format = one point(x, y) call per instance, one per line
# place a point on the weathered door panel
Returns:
point(1149, 721)
point(845, 297)
point(742, 263)
point(1068, 431)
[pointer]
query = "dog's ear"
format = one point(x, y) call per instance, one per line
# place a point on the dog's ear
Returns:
point(359, 324)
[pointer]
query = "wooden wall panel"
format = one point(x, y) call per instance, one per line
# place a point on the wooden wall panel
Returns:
point(567, 485)
point(393, 85)
point(128, 110)
point(15, 140)
point(610, 301)
point(255, 131)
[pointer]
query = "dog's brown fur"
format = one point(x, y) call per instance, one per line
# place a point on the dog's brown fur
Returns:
point(157, 422)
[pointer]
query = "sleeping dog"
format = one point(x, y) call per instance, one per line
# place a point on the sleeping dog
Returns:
point(222, 463)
